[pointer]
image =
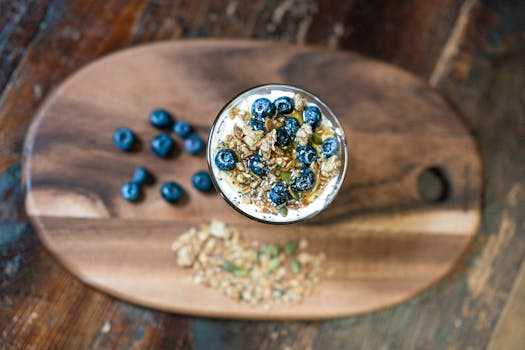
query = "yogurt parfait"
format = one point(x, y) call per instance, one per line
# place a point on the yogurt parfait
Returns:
point(277, 154)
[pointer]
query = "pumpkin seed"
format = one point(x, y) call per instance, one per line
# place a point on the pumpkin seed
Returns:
point(274, 264)
point(283, 211)
point(317, 139)
point(295, 266)
point(286, 176)
point(241, 273)
point(274, 250)
point(230, 267)
point(291, 247)
point(293, 193)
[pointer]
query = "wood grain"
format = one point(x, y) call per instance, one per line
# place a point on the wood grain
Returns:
point(384, 241)
point(483, 81)
point(510, 329)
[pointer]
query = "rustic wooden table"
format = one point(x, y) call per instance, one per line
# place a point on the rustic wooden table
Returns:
point(472, 51)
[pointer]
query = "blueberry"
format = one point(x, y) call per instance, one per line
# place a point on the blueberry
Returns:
point(305, 181)
point(279, 193)
point(284, 105)
point(256, 125)
point(306, 154)
point(160, 118)
point(263, 108)
point(291, 125)
point(124, 138)
point(312, 116)
point(182, 129)
point(142, 176)
point(283, 139)
point(226, 159)
point(162, 145)
point(258, 165)
point(201, 180)
point(330, 147)
point(130, 191)
point(171, 191)
point(193, 144)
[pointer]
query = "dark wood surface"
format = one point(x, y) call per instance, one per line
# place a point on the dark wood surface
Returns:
point(384, 240)
point(473, 52)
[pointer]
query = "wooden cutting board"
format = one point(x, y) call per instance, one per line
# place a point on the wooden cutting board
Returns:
point(409, 206)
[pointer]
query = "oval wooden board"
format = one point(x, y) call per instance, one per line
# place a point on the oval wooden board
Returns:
point(385, 243)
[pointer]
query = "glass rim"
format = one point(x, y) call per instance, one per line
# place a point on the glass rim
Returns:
point(341, 137)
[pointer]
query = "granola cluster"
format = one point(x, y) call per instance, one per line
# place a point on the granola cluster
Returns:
point(280, 162)
point(258, 274)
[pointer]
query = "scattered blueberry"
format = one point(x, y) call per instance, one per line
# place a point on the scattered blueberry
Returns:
point(330, 147)
point(312, 116)
point(279, 193)
point(305, 181)
point(226, 159)
point(142, 176)
point(182, 129)
point(258, 165)
point(256, 124)
point(162, 145)
point(130, 191)
point(283, 139)
point(291, 125)
point(171, 191)
point(284, 105)
point(124, 138)
point(306, 154)
point(160, 118)
point(193, 144)
point(201, 180)
point(263, 108)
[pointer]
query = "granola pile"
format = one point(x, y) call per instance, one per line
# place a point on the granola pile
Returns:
point(275, 166)
point(258, 274)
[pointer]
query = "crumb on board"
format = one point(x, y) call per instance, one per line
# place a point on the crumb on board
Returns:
point(106, 327)
point(252, 272)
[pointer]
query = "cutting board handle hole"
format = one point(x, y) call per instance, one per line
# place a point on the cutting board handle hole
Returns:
point(433, 184)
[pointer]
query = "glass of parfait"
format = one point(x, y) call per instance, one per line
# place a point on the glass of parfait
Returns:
point(277, 154)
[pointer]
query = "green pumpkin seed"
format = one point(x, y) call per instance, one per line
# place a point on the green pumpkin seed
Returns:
point(274, 264)
point(317, 139)
point(286, 176)
point(291, 247)
point(274, 250)
point(271, 250)
point(264, 249)
point(295, 266)
point(241, 273)
point(228, 266)
point(293, 193)
point(283, 211)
